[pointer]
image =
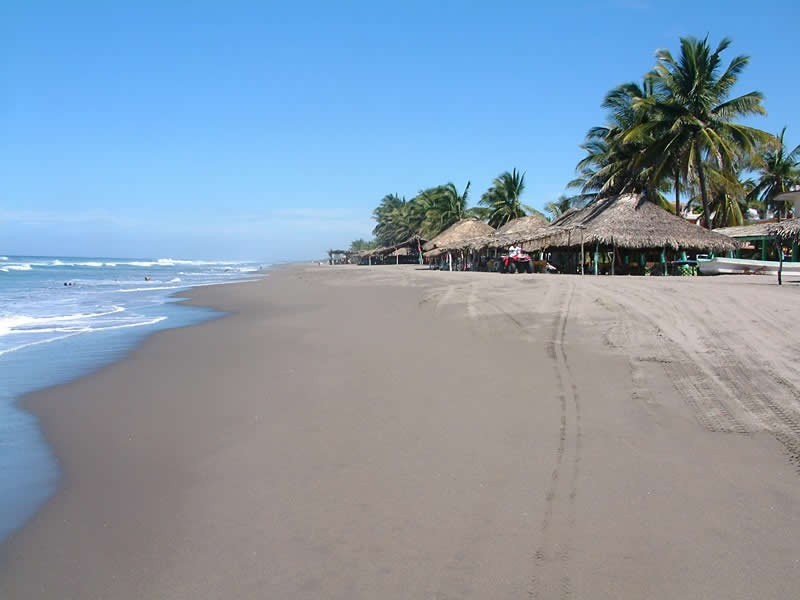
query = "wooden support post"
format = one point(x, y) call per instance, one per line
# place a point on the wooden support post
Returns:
point(664, 259)
point(597, 258)
point(583, 256)
point(763, 248)
point(613, 255)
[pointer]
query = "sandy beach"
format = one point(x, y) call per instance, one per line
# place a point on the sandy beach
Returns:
point(394, 432)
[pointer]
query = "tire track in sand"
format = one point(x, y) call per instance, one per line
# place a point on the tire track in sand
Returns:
point(551, 573)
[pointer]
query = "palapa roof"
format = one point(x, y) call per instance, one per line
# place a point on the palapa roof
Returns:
point(515, 231)
point(523, 225)
point(785, 230)
point(458, 234)
point(627, 221)
point(754, 230)
point(393, 250)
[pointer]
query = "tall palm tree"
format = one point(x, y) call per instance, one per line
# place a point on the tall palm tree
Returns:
point(691, 117)
point(445, 207)
point(395, 220)
point(502, 199)
point(778, 170)
point(614, 162)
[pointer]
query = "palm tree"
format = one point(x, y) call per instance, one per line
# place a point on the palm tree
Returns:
point(502, 199)
point(614, 162)
point(779, 171)
point(395, 220)
point(444, 206)
point(362, 244)
point(691, 118)
point(563, 204)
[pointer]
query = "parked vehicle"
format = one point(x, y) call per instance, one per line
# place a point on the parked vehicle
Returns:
point(518, 263)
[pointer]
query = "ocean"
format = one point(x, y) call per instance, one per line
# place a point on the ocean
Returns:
point(62, 317)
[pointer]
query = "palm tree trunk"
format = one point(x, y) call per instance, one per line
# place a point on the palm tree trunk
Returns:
point(677, 192)
point(701, 176)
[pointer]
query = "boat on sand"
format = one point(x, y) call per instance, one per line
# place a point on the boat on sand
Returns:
point(745, 266)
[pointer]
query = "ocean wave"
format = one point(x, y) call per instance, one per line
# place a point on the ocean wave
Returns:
point(27, 324)
point(151, 289)
point(22, 267)
point(36, 343)
point(77, 331)
point(3, 258)
point(88, 263)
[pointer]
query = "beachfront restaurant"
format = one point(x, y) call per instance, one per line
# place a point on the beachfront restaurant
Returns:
point(758, 242)
point(449, 250)
point(405, 253)
point(625, 234)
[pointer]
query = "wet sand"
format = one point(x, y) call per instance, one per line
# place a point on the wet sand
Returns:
point(389, 432)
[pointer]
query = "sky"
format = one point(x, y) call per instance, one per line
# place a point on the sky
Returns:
point(269, 131)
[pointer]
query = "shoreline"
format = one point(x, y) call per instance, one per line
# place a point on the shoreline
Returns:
point(348, 432)
point(52, 483)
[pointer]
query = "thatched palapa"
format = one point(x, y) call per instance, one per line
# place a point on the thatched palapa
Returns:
point(404, 248)
point(627, 221)
point(515, 231)
point(786, 231)
point(457, 236)
point(744, 232)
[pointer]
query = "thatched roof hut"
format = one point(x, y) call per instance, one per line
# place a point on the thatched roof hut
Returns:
point(458, 235)
point(627, 221)
point(744, 232)
point(515, 231)
point(785, 230)
point(404, 248)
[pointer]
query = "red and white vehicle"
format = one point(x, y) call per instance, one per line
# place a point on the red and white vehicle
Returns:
point(516, 263)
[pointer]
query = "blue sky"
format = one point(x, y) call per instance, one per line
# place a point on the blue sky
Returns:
point(271, 130)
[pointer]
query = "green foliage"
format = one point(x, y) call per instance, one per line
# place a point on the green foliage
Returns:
point(360, 245)
point(673, 130)
point(778, 170)
point(502, 199)
point(427, 214)
point(557, 208)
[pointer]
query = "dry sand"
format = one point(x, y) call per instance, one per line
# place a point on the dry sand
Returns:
point(391, 432)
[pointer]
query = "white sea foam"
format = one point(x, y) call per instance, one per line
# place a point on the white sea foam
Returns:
point(24, 323)
point(78, 330)
point(3, 258)
point(20, 267)
point(152, 289)
point(36, 343)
